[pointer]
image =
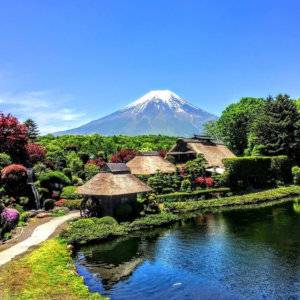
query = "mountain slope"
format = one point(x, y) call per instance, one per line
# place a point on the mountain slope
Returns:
point(157, 112)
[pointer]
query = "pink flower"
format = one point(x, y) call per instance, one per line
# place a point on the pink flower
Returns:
point(10, 215)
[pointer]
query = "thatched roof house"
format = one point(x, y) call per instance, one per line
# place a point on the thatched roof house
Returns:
point(114, 179)
point(148, 163)
point(112, 187)
point(213, 151)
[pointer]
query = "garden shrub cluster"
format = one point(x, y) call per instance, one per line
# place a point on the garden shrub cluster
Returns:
point(251, 198)
point(256, 172)
point(195, 195)
point(69, 192)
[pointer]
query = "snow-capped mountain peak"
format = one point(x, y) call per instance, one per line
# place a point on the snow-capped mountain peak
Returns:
point(157, 112)
point(163, 97)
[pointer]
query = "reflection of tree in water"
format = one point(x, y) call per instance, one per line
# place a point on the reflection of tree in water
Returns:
point(116, 260)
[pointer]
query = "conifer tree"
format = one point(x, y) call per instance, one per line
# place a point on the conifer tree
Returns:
point(33, 130)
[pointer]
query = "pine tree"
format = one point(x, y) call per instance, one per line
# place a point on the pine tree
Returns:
point(33, 130)
point(277, 129)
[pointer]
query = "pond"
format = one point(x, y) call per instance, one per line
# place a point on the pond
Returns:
point(250, 253)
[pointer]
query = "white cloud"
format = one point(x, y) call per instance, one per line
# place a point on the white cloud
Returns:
point(50, 109)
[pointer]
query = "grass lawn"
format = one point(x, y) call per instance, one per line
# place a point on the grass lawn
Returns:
point(45, 273)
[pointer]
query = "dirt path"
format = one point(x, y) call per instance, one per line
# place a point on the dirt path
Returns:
point(39, 235)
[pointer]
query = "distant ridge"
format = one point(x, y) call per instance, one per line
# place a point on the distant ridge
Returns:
point(157, 112)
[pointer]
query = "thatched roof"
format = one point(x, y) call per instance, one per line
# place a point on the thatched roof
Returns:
point(213, 151)
point(108, 183)
point(148, 164)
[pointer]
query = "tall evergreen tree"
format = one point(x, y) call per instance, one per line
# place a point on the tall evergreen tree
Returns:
point(33, 130)
point(277, 129)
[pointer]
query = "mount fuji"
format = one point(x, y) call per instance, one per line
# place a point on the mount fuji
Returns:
point(157, 112)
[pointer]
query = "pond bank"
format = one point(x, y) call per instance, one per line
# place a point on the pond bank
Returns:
point(92, 230)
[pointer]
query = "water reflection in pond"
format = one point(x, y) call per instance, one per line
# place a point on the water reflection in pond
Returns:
point(240, 254)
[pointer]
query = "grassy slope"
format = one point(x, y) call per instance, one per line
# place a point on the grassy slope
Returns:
point(252, 198)
point(45, 273)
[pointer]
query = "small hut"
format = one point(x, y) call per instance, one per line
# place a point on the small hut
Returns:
point(110, 189)
point(149, 163)
point(213, 151)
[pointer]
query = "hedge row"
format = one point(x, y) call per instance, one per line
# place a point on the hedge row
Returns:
point(195, 195)
point(257, 172)
point(252, 198)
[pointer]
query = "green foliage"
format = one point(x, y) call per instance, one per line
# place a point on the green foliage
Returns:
point(49, 204)
point(252, 198)
point(296, 175)
point(5, 160)
point(186, 185)
point(68, 172)
point(70, 192)
point(91, 170)
point(277, 128)
point(256, 172)
point(51, 179)
point(195, 195)
point(196, 168)
point(164, 183)
point(235, 122)
point(74, 162)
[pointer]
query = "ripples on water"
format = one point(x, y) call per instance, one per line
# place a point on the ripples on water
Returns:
point(241, 254)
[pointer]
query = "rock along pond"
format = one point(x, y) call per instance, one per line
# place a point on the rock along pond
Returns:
point(249, 253)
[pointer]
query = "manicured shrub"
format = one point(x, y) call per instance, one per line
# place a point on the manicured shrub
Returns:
point(54, 180)
point(74, 162)
point(164, 183)
point(77, 181)
point(296, 175)
point(69, 192)
point(35, 153)
point(49, 204)
point(196, 168)
point(186, 186)
point(108, 220)
point(5, 160)
point(14, 178)
point(72, 204)
point(67, 172)
point(195, 195)
point(257, 172)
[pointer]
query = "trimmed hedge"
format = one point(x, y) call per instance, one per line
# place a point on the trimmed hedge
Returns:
point(195, 195)
point(257, 172)
point(53, 177)
point(72, 204)
point(252, 198)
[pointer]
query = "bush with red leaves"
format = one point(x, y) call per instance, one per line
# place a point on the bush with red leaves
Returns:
point(35, 153)
point(60, 202)
point(204, 181)
point(13, 137)
point(14, 177)
point(123, 156)
point(99, 162)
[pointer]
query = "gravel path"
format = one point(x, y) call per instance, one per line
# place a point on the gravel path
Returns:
point(39, 235)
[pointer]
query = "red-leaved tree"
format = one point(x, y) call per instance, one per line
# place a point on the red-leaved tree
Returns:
point(123, 156)
point(13, 137)
point(35, 153)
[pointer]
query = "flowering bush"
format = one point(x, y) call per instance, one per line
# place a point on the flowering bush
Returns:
point(204, 181)
point(60, 202)
point(35, 153)
point(8, 220)
point(123, 156)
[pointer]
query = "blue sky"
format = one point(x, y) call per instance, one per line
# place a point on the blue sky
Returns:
point(64, 63)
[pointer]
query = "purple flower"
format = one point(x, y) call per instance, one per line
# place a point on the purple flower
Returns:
point(10, 215)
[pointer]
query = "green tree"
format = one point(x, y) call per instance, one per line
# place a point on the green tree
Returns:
point(33, 131)
point(277, 128)
point(195, 168)
point(235, 122)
